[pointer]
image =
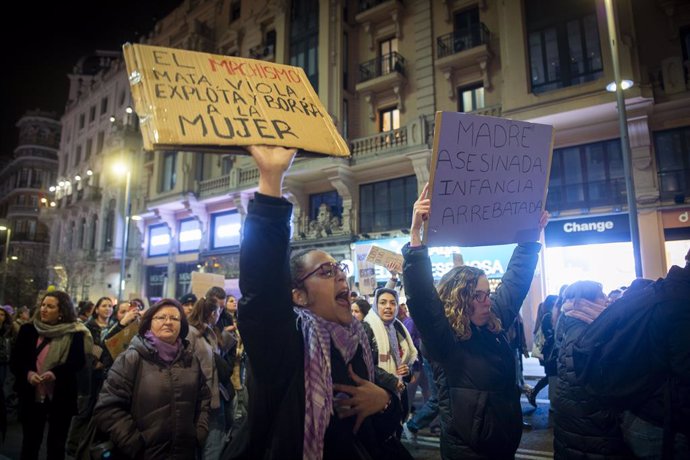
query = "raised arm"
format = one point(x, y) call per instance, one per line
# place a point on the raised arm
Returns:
point(517, 279)
point(422, 299)
point(265, 309)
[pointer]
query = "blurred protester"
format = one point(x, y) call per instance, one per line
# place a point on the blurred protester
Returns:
point(84, 310)
point(544, 342)
point(91, 377)
point(7, 335)
point(360, 308)
point(239, 409)
point(48, 353)
point(461, 324)
point(585, 426)
point(188, 301)
point(154, 403)
point(21, 316)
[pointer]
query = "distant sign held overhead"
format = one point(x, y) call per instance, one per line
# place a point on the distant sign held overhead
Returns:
point(488, 181)
point(193, 100)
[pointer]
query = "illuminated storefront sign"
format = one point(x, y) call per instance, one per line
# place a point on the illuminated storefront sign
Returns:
point(225, 228)
point(492, 259)
point(189, 236)
point(159, 240)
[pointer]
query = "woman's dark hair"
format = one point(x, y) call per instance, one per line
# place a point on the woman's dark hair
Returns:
point(146, 320)
point(364, 306)
point(297, 268)
point(216, 292)
point(83, 308)
point(94, 314)
point(65, 305)
point(201, 312)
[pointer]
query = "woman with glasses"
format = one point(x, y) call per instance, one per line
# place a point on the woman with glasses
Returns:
point(155, 401)
point(462, 327)
point(310, 374)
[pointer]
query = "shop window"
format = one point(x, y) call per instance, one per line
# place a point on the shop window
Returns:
point(159, 240)
point(673, 163)
point(386, 205)
point(587, 176)
point(563, 40)
point(189, 235)
point(225, 229)
point(470, 98)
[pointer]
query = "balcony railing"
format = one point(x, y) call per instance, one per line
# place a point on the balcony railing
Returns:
point(382, 65)
point(461, 40)
point(586, 195)
point(379, 142)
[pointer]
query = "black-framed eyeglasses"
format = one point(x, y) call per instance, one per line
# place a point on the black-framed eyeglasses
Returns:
point(481, 296)
point(326, 270)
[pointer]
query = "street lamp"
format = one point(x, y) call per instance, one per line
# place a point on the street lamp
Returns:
point(620, 85)
point(126, 212)
point(5, 225)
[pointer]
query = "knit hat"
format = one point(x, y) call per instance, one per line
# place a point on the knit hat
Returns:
point(8, 309)
point(188, 298)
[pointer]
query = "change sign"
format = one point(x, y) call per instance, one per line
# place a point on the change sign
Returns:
point(488, 181)
point(200, 101)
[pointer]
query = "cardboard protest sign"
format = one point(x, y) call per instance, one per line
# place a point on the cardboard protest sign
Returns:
point(202, 282)
point(201, 101)
point(120, 341)
point(385, 258)
point(489, 178)
point(366, 270)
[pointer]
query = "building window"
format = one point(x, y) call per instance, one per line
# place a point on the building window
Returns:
point(89, 147)
point(685, 45)
point(189, 235)
point(467, 30)
point(159, 240)
point(304, 39)
point(470, 98)
point(346, 119)
point(109, 226)
point(92, 114)
point(77, 156)
point(235, 10)
point(387, 55)
point(94, 231)
point(389, 119)
point(386, 205)
point(104, 105)
point(564, 48)
point(81, 233)
point(226, 164)
point(99, 142)
point(225, 229)
point(169, 171)
point(331, 199)
point(673, 163)
point(587, 176)
point(346, 60)
point(82, 121)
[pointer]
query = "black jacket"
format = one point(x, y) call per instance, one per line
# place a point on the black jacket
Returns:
point(23, 360)
point(479, 398)
point(585, 426)
point(275, 348)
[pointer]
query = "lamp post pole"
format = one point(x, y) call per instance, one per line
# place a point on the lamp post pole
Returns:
point(125, 236)
point(625, 141)
point(7, 261)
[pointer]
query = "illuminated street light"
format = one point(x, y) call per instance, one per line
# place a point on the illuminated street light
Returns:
point(51, 188)
point(89, 172)
point(77, 178)
point(625, 84)
point(121, 168)
point(128, 109)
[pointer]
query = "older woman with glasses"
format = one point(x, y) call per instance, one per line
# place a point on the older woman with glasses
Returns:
point(462, 328)
point(310, 374)
point(155, 401)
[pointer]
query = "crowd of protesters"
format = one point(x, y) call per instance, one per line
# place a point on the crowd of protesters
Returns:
point(303, 367)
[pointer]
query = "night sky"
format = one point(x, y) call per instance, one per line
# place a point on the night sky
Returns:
point(43, 42)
